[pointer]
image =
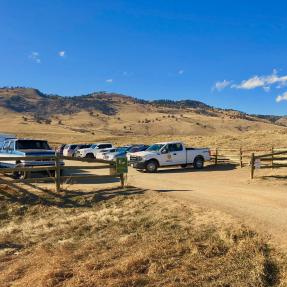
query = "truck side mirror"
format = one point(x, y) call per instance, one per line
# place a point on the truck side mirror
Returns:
point(164, 151)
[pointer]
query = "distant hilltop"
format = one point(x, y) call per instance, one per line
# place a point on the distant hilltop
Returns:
point(33, 102)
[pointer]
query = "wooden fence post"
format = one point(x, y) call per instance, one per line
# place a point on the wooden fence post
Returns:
point(272, 157)
point(216, 156)
point(241, 157)
point(252, 165)
point(122, 177)
point(57, 173)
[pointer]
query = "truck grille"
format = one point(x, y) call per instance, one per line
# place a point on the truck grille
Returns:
point(134, 158)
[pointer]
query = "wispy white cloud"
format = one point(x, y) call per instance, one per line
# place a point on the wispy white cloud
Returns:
point(266, 89)
point(180, 72)
point(250, 84)
point(62, 53)
point(127, 74)
point(281, 98)
point(35, 57)
point(264, 82)
point(109, 80)
point(221, 85)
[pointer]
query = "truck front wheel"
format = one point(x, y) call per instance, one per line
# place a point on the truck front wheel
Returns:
point(198, 163)
point(20, 174)
point(151, 166)
point(89, 155)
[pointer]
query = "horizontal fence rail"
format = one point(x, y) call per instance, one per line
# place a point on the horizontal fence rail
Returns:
point(275, 159)
point(242, 157)
point(55, 171)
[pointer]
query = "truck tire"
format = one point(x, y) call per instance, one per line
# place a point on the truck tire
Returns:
point(151, 166)
point(198, 162)
point(90, 155)
point(20, 174)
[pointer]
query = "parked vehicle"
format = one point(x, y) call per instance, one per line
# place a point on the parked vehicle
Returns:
point(136, 148)
point(167, 154)
point(69, 149)
point(25, 148)
point(124, 151)
point(101, 154)
point(60, 149)
point(80, 146)
point(93, 150)
point(119, 152)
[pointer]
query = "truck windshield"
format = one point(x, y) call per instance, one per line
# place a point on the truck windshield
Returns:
point(155, 147)
point(32, 144)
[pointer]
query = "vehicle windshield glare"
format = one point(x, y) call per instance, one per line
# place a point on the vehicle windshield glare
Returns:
point(32, 144)
point(123, 149)
point(155, 147)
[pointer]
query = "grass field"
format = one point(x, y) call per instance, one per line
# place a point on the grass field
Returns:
point(133, 237)
point(127, 237)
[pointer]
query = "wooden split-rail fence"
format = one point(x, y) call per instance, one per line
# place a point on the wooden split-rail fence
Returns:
point(275, 159)
point(57, 173)
point(240, 156)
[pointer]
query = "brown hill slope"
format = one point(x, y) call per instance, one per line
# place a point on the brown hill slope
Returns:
point(30, 113)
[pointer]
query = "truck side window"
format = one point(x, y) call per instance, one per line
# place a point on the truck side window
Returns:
point(105, 146)
point(175, 147)
point(11, 146)
point(179, 147)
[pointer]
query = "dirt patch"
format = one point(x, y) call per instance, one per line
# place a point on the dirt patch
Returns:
point(127, 238)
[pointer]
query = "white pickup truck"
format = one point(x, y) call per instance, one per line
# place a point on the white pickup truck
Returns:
point(167, 154)
point(92, 151)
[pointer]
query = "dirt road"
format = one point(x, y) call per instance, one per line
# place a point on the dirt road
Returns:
point(261, 203)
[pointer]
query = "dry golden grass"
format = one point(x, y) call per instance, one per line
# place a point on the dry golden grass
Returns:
point(136, 123)
point(126, 238)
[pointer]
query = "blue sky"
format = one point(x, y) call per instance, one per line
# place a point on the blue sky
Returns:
point(230, 54)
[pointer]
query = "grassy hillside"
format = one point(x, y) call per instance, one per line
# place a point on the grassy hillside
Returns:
point(108, 116)
point(127, 238)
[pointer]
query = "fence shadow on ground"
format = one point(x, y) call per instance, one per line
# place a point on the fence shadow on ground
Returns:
point(208, 168)
point(270, 177)
point(171, 190)
point(32, 194)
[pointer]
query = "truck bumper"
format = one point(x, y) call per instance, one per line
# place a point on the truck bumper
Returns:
point(40, 163)
point(138, 165)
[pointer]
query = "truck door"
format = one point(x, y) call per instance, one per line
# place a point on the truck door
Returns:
point(176, 154)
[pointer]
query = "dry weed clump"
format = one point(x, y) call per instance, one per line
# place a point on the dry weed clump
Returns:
point(127, 239)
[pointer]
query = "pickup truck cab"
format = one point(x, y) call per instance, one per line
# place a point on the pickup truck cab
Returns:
point(92, 151)
point(24, 148)
point(167, 154)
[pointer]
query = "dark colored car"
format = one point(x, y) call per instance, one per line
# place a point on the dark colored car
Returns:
point(137, 148)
